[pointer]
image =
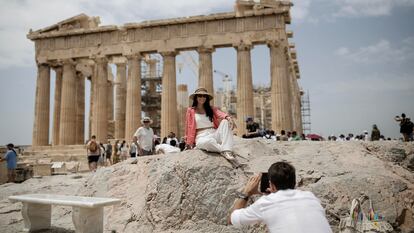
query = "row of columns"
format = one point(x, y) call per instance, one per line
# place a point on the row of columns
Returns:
point(69, 108)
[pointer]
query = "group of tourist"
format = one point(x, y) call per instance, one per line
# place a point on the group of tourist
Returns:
point(406, 129)
point(144, 142)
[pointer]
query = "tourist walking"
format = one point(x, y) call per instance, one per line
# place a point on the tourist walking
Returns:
point(284, 209)
point(93, 151)
point(133, 148)
point(108, 153)
point(145, 137)
point(405, 129)
point(11, 158)
point(116, 153)
point(124, 150)
point(208, 128)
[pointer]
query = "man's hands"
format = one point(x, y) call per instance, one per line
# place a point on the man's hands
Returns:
point(252, 186)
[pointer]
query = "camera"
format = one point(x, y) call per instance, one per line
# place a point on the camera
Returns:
point(264, 183)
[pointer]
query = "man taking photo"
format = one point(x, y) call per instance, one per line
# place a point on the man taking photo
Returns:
point(284, 209)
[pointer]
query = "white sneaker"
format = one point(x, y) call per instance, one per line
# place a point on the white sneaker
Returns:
point(228, 155)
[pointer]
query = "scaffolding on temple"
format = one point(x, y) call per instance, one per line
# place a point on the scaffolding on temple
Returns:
point(306, 112)
point(151, 88)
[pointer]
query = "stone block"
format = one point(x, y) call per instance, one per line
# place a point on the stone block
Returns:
point(44, 169)
point(3, 172)
point(72, 166)
point(59, 168)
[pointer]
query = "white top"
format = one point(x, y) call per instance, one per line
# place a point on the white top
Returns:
point(202, 121)
point(50, 199)
point(133, 147)
point(166, 148)
point(145, 138)
point(286, 211)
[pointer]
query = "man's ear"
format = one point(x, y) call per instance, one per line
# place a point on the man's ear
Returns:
point(272, 187)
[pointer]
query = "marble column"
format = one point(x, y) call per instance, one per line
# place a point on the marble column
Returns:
point(290, 122)
point(205, 69)
point(100, 111)
point(244, 87)
point(57, 104)
point(67, 132)
point(92, 96)
point(133, 96)
point(297, 106)
point(110, 105)
point(152, 63)
point(120, 102)
point(281, 117)
point(80, 108)
point(182, 105)
point(42, 105)
point(169, 114)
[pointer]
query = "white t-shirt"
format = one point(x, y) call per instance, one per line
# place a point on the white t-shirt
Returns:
point(286, 211)
point(167, 148)
point(145, 138)
point(202, 121)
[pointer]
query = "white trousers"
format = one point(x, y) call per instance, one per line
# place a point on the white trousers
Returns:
point(216, 140)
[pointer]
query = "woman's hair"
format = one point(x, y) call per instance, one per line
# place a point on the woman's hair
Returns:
point(207, 107)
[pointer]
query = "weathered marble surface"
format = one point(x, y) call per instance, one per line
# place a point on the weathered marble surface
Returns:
point(52, 199)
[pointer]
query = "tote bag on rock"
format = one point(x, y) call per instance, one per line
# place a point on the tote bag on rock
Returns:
point(360, 222)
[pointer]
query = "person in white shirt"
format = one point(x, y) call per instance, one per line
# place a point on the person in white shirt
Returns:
point(171, 137)
point(165, 148)
point(145, 136)
point(284, 209)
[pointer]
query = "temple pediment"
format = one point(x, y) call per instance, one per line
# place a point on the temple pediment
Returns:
point(81, 21)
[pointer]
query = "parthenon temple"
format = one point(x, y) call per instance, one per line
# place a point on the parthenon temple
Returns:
point(78, 49)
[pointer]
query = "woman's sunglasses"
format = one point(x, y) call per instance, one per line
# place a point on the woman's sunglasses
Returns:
point(202, 96)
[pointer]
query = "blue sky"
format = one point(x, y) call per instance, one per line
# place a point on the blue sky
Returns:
point(356, 57)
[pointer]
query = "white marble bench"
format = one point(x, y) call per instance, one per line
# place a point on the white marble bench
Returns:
point(87, 214)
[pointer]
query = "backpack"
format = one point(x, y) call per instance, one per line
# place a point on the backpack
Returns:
point(93, 146)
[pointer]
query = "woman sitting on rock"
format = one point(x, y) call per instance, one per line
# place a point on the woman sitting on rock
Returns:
point(208, 128)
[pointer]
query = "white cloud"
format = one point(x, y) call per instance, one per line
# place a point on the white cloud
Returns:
point(17, 17)
point(300, 9)
point(381, 52)
point(360, 8)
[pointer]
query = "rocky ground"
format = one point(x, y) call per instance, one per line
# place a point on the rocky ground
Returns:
point(193, 190)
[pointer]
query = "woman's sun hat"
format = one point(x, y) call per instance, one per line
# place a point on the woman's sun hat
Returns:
point(201, 91)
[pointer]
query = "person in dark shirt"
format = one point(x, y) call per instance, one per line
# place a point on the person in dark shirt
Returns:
point(252, 128)
point(375, 133)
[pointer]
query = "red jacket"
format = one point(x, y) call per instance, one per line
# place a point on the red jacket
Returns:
point(190, 123)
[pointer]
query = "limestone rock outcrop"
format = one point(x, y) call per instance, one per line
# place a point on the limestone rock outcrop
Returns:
point(192, 191)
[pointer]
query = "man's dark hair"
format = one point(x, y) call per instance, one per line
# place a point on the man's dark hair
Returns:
point(93, 137)
point(282, 175)
point(403, 115)
point(282, 132)
point(173, 143)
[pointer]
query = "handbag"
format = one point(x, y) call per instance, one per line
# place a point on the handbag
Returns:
point(360, 222)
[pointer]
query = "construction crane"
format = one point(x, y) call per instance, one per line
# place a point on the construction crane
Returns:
point(226, 89)
point(189, 60)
